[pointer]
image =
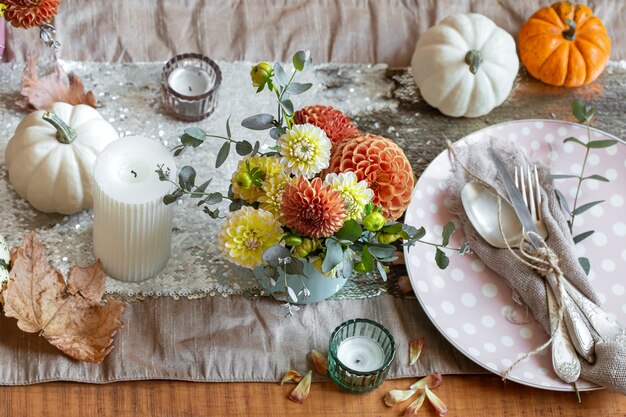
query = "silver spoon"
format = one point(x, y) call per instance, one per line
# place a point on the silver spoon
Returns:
point(481, 205)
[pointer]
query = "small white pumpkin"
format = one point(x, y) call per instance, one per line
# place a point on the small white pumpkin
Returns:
point(50, 157)
point(465, 65)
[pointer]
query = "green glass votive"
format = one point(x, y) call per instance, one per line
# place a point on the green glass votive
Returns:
point(360, 354)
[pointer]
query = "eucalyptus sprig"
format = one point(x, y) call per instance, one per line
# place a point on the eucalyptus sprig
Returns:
point(584, 113)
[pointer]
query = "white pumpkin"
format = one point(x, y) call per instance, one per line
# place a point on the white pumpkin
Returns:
point(50, 161)
point(465, 65)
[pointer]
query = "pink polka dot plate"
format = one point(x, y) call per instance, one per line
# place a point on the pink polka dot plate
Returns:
point(468, 303)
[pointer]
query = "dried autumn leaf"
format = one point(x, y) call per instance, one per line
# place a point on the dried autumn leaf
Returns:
point(415, 406)
point(399, 258)
point(320, 362)
point(436, 402)
point(291, 376)
point(396, 396)
point(57, 86)
point(72, 316)
point(301, 391)
point(432, 381)
point(404, 283)
point(415, 350)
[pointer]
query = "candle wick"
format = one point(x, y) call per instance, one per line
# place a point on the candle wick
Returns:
point(358, 361)
point(134, 173)
point(189, 87)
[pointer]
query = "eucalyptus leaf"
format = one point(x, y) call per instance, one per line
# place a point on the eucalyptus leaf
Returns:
point(420, 233)
point(562, 201)
point(584, 262)
point(381, 271)
point(351, 231)
point(213, 198)
point(280, 75)
point(277, 132)
point(189, 140)
point(392, 228)
point(169, 199)
point(597, 178)
point(243, 148)
point(228, 133)
point(367, 259)
point(560, 176)
point(287, 105)
point(579, 110)
point(214, 214)
point(334, 255)
point(199, 190)
point(222, 155)
point(186, 177)
point(448, 229)
point(235, 205)
point(275, 252)
point(597, 144)
point(583, 236)
point(195, 132)
point(295, 267)
point(441, 259)
point(347, 263)
point(292, 294)
point(178, 151)
point(298, 88)
point(382, 251)
point(585, 207)
point(575, 140)
point(299, 60)
point(255, 149)
point(261, 121)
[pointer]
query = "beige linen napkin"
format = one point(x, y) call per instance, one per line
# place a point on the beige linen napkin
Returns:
point(609, 369)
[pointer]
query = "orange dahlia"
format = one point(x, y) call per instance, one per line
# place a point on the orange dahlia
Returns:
point(312, 209)
point(383, 164)
point(29, 13)
point(332, 121)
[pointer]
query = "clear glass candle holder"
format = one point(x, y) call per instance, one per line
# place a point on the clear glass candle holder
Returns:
point(360, 354)
point(189, 84)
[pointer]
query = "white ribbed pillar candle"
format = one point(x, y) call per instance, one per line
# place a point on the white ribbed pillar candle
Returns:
point(132, 228)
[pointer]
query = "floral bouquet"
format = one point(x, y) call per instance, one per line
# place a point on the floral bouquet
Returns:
point(27, 14)
point(322, 203)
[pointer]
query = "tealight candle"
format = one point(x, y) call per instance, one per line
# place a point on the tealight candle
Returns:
point(189, 86)
point(132, 227)
point(360, 354)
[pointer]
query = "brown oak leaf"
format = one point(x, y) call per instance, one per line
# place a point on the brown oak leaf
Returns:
point(72, 316)
point(57, 86)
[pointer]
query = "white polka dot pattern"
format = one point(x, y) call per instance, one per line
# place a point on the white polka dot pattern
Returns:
point(470, 304)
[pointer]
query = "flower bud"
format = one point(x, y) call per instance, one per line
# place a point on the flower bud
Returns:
point(304, 249)
point(387, 238)
point(261, 73)
point(293, 240)
point(359, 267)
point(374, 221)
point(244, 180)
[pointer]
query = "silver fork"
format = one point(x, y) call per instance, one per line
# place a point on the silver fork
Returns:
point(576, 325)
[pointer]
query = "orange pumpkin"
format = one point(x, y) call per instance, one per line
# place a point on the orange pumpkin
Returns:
point(564, 45)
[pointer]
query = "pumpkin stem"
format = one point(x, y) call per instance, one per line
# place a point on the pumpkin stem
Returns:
point(474, 58)
point(570, 32)
point(65, 134)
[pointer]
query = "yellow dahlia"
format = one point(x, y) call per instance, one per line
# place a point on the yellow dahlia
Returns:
point(272, 197)
point(246, 234)
point(305, 150)
point(312, 209)
point(355, 193)
point(269, 166)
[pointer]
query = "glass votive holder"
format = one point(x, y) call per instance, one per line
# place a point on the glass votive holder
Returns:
point(360, 354)
point(189, 84)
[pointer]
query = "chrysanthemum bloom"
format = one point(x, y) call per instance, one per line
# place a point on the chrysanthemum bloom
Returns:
point(312, 209)
point(246, 234)
point(355, 193)
point(272, 196)
point(29, 13)
point(385, 167)
point(332, 121)
point(305, 150)
point(269, 166)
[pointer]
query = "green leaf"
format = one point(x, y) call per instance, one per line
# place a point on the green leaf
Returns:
point(579, 110)
point(214, 214)
point(448, 229)
point(562, 201)
point(367, 259)
point(299, 60)
point(560, 176)
point(583, 236)
point(295, 267)
point(392, 228)
point(178, 151)
point(585, 207)
point(596, 144)
point(280, 75)
point(186, 177)
point(381, 271)
point(261, 121)
point(277, 132)
point(169, 199)
point(382, 251)
point(255, 150)
point(298, 88)
point(243, 148)
point(347, 263)
point(292, 294)
point(228, 133)
point(575, 140)
point(199, 190)
point(222, 155)
point(193, 136)
point(272, 254)
point(597, 178)
point(351, 231)
point(334, 255)
point(287, 105)
point(214, 198)
point(441, 259)
point(235, 205)
point(196, 133)
point(584, 262)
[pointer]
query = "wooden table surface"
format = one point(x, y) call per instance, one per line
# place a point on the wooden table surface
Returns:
point(466, 396)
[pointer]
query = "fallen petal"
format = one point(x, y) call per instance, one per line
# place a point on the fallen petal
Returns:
point(415, 350)
point(301, 391)
point(291, 376)
point(414, 407)
point(432, 381)
point(397, 396)
point(400, 260)
point(320, 362)
point(404, 284)
point(441, 408)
